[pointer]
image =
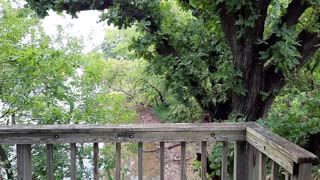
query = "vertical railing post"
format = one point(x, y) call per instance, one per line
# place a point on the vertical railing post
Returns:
point(183, 161)
point(204, 160)
point(50, 161)
point(118, 161)
point(274, 171)
point(224, 166)
point(73, 157)
point(95, 161)
point(253, 162)
point(249, 162)
point(140, 160)
point(240, 161)
point(24, 162)
point(162, 161)
point(262, 166)
point(304, 172)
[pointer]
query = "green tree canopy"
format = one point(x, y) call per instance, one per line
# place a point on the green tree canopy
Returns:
point(232, 56)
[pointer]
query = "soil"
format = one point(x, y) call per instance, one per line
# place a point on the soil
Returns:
point(172, 150)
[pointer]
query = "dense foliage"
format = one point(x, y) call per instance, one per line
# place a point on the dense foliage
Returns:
point(231, 57)
point(48, 80)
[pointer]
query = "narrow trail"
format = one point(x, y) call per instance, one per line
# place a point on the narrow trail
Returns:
point(172, 150)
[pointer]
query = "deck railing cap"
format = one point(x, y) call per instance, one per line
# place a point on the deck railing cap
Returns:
point(291, 150)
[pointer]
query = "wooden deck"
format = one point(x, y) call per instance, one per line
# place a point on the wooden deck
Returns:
point(253, 145)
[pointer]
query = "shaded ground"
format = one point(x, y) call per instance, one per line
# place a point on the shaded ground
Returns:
point(172, 151)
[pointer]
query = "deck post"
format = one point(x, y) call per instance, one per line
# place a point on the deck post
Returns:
point(50, 161)
point(24, 162)
point(204, 155)
point(274, 171)
point(118, 161)
point(162, 161)
point(183, 161)
point(252, 160)
point(73, 158)
point(95, 161)
point(240, 170)
point(140, 160)
point(224, 162)
point(304, 172)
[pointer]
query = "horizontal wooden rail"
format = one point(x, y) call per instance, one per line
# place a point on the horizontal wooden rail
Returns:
point(59, 134)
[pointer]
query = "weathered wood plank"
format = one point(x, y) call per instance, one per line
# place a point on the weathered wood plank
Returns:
point(262, 166)
point(50, 161)
point(162, 163)
point(274, 171)
point(240, 161)
point(281, 145)
point(24, 162)
point(95, 161)
point(118, 161)
point(304, 172)
point(80, 135)
point(78, 128)
point(224, 166)
point(270, 151)
point(73, 162)
point(183, 161)
point(140, 160)
point(287, 176)
point(204, 156)
point(252, 162)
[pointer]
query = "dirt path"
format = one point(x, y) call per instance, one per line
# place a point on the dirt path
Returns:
point(172, 150)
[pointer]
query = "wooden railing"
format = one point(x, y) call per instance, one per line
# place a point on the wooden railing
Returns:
point(252, 146)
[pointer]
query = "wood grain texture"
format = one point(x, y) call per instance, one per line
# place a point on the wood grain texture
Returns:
point(240, 168)
point(304, 172)
point(262, 166)
point(252, 162)
point(50, 161)
point(183, 161)
point(224, 166)
point(118, 161)
point(267, 139)
point(73, 161)
point(162, 162)
point(271, 152)
point(24, 162)
point(165, 127)
point(140, 160)
point(58, 134)
point(274, 171)
point(204, 155)
point(95, 161)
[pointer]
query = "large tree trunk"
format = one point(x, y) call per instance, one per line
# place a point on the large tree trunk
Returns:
point(261, 89)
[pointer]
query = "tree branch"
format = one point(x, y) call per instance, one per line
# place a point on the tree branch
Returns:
point(295, 9)
point(72, 7)
point(228, 24)
point(259, 26)
point(87, 5)
point(123, 91)
point(310, 43)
